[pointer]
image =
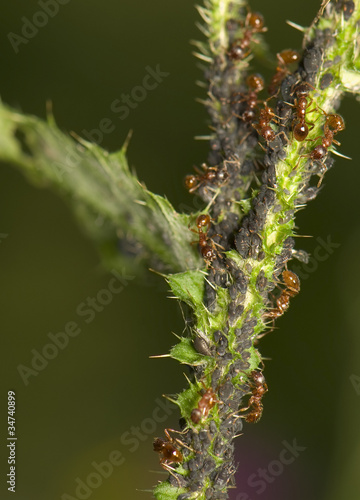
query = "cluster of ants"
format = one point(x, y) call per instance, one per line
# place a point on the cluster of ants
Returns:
point(249, 109)
point(169, 449)
point(208, 252)
point(238, 50)
point(261, 118)
point(334, 123)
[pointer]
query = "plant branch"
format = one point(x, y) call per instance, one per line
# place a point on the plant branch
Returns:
point(109, 199)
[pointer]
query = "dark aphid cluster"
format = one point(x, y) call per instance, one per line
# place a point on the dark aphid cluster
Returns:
point(347, 8)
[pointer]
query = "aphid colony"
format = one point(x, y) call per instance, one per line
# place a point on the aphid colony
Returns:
point(276, 120)
point(259, 115)
point(169, 449)
point(291, 280)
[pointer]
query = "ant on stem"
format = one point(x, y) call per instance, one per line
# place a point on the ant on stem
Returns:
point(240, 48)
point(207, 401)
point(285, 58)
point(256, 84)
point(292, 283)
point(208, 253)
point(334, 123)
point(258, 388)
point(169, 454)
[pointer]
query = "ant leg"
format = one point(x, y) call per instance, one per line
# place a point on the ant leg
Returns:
point(301, 156)
point(312, 125)
point(244, 409)
point(237, 101)
point(171, 471)
point(262, 147)
point(316, 138)
point(193, 189)
point(245, 137)
point(320, 180)
point(284, 134)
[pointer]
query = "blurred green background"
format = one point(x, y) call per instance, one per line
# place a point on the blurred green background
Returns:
point(87, 401)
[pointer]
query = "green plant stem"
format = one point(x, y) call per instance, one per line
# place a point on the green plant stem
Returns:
point(252, 223)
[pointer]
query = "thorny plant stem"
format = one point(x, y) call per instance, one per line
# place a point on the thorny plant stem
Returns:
point(251, 194)
point(256, 236)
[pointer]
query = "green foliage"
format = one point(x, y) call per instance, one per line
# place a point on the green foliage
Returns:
point(107, 197)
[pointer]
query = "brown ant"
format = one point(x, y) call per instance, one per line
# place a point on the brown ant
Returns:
point(301, 129)
point(256, 84)
point(207, 252)
point(285, 58)
point(207, 401)
point(169, 454)
point(292, 283)
point(262, 127)
point(209, 174)
point(193, 182)
point(254, 23)
point(282, 303)
point(258, 389)
point(167, 450)
point(333, 124)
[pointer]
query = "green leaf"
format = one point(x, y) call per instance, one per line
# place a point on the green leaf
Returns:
point(188, 287)
point(164, 491)
point(185, 353)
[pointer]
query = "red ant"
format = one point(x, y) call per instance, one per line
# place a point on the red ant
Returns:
point(207, 252)
point(210, 174)
point(282, 304)
point(254, 23)
point(256, 84)
point(169, 454)
point(333, 125)
point(334, 122)
point(292, 283)
point(207, 401)
point(263, 128)
point(301, 129)
point(258, 389)
point(285, 58)
point(192, 182)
